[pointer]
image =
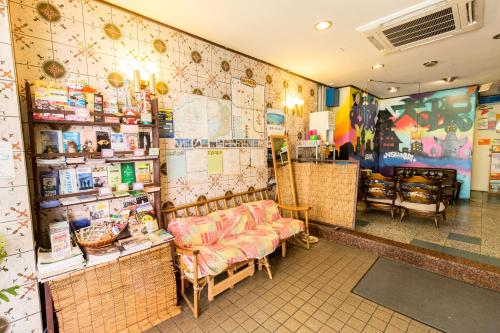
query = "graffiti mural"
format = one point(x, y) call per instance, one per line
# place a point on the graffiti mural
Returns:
point(428, 130)
point(355, 127)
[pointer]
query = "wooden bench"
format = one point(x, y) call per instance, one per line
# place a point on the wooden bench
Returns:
point(238, 271)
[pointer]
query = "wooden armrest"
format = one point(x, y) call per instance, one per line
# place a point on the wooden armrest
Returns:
point(182, 250)
point(294, 208)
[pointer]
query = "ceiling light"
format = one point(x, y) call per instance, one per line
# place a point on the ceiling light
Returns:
point(496, 36)
point(377, 66)
point(430, 63)
point(450, 79)
point(323, 25)
point(393, 89)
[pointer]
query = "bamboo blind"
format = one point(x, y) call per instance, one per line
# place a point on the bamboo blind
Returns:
point(130, 294)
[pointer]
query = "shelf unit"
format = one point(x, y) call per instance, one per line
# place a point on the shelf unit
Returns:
point(494, 178)
point(120, 156)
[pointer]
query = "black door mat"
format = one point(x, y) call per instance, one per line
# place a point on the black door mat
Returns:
point(443, 303)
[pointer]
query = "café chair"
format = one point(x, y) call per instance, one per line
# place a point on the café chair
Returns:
point(380, 193)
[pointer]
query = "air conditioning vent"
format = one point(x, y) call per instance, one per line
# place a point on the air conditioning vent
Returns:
point(424, 23)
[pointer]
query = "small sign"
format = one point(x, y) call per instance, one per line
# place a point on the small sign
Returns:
point(139, 152)
point(154, 151)
point(166, 123)
point(107, 152)
point(484, 142)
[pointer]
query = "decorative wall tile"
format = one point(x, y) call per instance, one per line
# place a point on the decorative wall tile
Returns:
point(18, 235)
point(6, 63)
point(25, 304)
point(69, 32)
point(32, 51)
point(10, 131)
point(8, 99)
point(18, 269)
point(15, 204)
point(71, 9)
point(4, 25)
point(32, 323)
point(95, 13)
point(20, 172)
point(72, 58)
point(26, 20)
point(126, 22)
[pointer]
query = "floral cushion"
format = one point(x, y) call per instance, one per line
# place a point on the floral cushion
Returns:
point(233, 221)
point(263, 211)
point(255, 244)
point(194, 231)
point(214, 259)
point(287, 227)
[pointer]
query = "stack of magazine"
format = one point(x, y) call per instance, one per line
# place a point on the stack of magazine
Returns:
point(48, 266)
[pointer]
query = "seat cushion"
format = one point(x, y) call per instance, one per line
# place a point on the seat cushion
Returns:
point(255, 244)
point(194, 231)
point(214, 259)
point(385, 201)
point(428, 208)
point(287, 227)
point(233, 221)
point(263, 211)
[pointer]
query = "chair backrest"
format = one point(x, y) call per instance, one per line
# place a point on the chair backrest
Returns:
point(377, 186)
point(447, 176)
point(204, 206)
point(418, 189)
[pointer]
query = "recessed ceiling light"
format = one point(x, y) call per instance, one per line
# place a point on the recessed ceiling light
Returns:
point(323, 25)
point(377, 66)
point(393, 89)
point(496, 36)
point(450, 79)
point(430, 63)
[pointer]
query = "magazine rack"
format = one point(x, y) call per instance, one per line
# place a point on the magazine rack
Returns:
point(119, 156)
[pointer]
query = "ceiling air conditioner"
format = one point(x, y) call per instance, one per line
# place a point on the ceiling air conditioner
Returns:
point(424, 23)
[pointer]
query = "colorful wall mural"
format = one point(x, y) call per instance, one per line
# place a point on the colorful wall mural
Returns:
point(355, 126)
point(428, 130)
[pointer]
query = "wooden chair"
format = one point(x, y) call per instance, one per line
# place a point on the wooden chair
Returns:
point(422, 196)
point(380, 193)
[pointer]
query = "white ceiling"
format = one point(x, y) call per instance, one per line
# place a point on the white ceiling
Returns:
point(282, 32)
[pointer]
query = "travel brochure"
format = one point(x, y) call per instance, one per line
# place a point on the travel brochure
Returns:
point(85, 141)
point(81, 102)
point(87, 177)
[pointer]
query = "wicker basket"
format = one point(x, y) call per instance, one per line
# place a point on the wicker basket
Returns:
point(100, 243)
point(131, 294)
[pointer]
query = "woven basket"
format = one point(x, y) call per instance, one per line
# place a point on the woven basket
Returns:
point(100, 243)
point(131, 294)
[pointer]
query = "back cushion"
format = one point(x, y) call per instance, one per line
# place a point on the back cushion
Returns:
point(194, 231)
point(233, 221)
point(263, 211)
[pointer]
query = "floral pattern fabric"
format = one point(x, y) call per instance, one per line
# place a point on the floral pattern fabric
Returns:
point(263, 211)
point(255, 244)
point(214, 259)
point(287, 227)
point(195, 231)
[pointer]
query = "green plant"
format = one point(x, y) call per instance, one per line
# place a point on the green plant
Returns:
point(5, 292)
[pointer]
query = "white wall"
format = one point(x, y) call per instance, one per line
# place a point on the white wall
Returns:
point(481, 154)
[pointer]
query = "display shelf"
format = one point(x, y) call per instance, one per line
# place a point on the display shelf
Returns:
point(96, 157)
point(82, 123)
point(119, 157)
point(62, 196)
point(95, 114)
point(148, 189)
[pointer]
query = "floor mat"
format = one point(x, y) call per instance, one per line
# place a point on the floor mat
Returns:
point(446, 304)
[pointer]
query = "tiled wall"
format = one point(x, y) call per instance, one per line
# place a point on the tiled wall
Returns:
point(23, 311)
point(100, 43)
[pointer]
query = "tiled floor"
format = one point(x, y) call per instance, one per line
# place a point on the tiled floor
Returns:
point(310, 292)
point(472, 228)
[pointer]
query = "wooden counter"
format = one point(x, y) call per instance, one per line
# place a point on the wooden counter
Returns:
point(329, 187)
